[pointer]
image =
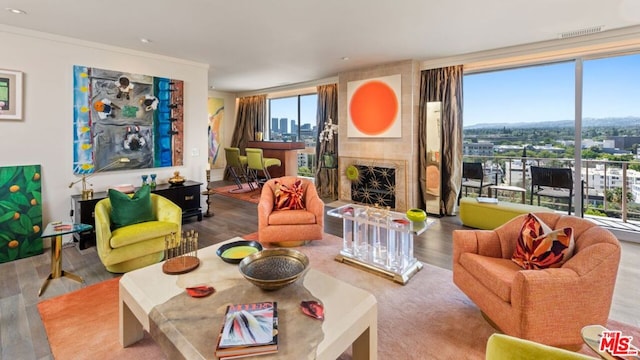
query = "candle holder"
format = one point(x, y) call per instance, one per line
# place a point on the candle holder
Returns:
point(208, 193)
point(181, 256)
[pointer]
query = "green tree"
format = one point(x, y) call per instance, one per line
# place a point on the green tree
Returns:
point(304, 171)
point(614, 196)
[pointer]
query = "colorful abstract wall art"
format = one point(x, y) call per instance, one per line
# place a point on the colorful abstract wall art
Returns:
point(374, 107)
point(119, 114)
point(215, 107)
point(20, 212)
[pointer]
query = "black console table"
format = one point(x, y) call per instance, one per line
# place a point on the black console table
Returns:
point(187, 196)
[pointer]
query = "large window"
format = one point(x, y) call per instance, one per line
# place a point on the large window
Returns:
point(293, 118)
point(527, 111)
point(611, 134)
point(528, 115)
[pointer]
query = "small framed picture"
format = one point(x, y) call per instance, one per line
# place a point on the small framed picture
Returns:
point(10, 95)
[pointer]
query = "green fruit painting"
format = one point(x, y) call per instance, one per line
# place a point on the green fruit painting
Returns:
point(20, 212)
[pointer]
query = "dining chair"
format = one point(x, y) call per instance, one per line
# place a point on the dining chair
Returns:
point(551, 182)
point(257, 162)
point(237, 164)
point(473, 177)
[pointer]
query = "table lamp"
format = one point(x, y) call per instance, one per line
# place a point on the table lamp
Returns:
point(88, 193)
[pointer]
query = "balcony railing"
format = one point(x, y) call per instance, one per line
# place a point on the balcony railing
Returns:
point(603, 183)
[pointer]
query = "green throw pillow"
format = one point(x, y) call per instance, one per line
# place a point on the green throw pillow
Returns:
point(126, 210)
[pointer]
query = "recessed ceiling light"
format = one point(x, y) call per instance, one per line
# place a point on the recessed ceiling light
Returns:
point(145, 40)
point(16, 11)
point(345, 58)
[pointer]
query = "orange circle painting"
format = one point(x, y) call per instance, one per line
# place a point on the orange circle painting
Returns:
point(373, 108)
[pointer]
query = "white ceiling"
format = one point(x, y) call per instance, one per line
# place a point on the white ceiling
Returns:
point(257, 44)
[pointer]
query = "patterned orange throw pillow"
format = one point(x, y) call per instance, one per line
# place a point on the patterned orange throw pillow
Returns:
point(539, 247)
point(289, 197)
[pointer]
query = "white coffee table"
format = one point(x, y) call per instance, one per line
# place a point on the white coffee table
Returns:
point(351, 314)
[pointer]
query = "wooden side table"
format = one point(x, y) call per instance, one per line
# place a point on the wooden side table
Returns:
point(55, 230)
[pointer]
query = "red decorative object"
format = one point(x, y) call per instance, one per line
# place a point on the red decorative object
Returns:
point(313, 309)
point(200, 291)
point(401, 221)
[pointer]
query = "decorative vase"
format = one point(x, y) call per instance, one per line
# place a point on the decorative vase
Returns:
point(416, 215)
point(153, 181)
point(329, 160)
point(144, 180)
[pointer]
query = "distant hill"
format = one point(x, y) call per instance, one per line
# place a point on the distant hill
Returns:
point(621, 122)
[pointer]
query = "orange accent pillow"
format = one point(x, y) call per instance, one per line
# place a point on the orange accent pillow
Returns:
point(539, 247)
point(289, 197)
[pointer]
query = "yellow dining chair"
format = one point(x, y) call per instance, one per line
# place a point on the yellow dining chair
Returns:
point(256, 162)
point(237, 164)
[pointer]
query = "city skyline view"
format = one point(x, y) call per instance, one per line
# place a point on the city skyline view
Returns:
point(287, 107)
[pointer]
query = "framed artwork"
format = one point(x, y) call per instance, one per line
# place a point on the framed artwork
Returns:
point(215, 109)
point(374, 108)
point(20, 212)
point(119, 114)
point(10, 95)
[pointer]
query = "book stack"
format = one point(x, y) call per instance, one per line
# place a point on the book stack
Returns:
point(249, 330)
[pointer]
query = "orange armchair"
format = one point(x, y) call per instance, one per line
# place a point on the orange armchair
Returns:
point(548, 306)
point(289, 227)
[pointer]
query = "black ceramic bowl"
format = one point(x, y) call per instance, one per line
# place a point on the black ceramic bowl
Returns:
point(234, 252)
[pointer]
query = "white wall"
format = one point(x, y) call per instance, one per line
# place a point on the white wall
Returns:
point(45, 134)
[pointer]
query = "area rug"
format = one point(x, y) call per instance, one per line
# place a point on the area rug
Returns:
point(84, 325)
point(244, 194)
point(428, 318)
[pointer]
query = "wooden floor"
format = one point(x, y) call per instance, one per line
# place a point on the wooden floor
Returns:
point(22, 335)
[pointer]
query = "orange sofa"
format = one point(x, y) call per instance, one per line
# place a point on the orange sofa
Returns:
point(289, 227)
point(548, 306)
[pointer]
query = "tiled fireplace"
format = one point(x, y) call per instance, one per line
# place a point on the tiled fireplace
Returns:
point(375, 185)
point(381, 182)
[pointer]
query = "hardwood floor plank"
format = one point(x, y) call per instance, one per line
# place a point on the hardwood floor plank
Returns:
point(9, 281)
point(29, 281)
point(39, 340)
point(14, 328)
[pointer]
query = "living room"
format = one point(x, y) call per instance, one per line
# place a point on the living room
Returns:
point(45, 135)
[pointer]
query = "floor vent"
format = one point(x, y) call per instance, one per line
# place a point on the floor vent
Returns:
point(581, 32)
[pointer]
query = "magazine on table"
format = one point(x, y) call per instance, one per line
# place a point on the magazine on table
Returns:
point(487, 200)
point(249, 330)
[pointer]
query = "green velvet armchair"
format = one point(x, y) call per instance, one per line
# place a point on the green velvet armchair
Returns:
point(138, 245)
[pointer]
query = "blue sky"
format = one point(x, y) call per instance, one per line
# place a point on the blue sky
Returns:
point(611, 88)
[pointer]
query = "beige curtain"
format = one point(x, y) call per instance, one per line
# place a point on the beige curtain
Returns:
point(445, 85)
point(252, 112)
point(327, 179)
